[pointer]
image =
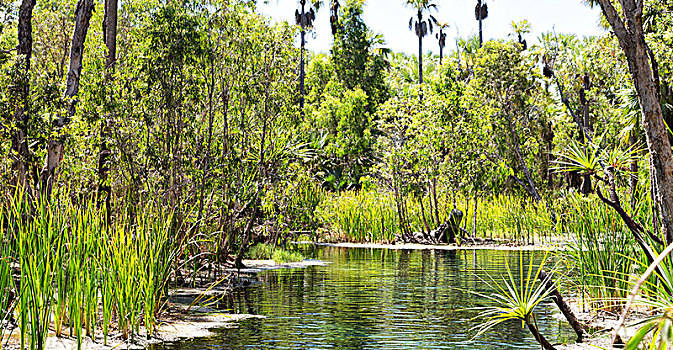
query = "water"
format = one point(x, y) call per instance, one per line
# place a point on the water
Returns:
point(377, 299)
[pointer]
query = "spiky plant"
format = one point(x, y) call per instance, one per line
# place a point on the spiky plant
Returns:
point(514, 300)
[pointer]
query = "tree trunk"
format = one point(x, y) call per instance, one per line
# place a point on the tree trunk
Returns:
point(110, 39)
point(481, 38)
point(419, 33)
point(474, 219)
point(540, 339)
point(633, 177)
point(530, 184)
point(563, 306)
point(301, 63)
point(629, 32)
point(22, 98)
point(55, 146)
point(425, 222)
point(434, 196)
point(586, 182)
point(206, 167)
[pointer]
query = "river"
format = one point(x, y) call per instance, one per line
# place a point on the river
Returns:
point(378, 299)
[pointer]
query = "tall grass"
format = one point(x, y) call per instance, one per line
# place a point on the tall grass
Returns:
point(80, 273)
point(601, 250)
point(371, 216)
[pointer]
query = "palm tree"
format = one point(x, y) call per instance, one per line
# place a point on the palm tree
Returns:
point(421, 27)
point(441, 38)
point(521, 28)
point(480, 13)
point(304, 19)
point(334, 16)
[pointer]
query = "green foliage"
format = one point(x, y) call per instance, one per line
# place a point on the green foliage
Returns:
point(264, 251)
point(514, 300)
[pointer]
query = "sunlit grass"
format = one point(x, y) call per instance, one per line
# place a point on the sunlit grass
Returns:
point(79, 274)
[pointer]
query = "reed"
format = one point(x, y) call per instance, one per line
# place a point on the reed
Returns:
point(78, 272)
point(601, 251)
point(371, 216)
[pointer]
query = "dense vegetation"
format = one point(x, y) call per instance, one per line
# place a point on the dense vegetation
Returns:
point(197, 129)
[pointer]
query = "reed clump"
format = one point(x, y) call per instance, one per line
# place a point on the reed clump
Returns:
point(372, 216)
point(63, 266)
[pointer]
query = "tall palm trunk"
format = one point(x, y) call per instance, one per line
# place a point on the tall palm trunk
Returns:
point(481, 37)
point(419, 33)
point(56, 146)
point(301, 64)
point(441, 53)
point(25, 49)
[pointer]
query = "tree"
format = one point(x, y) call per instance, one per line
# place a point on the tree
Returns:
point(521, 28)
point(304, 20)
point(356, 63)
point(441, 39)
point(506, 94)
point(480, 14)
point(56, 146)
point(421, 26)
point(21, 117)
point(628, 27)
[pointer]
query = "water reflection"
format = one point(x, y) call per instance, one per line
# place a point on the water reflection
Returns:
point(375, 299)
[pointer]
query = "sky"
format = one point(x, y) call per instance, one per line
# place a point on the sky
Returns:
point(391, 19)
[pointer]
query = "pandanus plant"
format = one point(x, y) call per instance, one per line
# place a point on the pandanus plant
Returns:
point(515, 299)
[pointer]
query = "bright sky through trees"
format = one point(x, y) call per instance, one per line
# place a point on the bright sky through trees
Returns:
point(391, 18)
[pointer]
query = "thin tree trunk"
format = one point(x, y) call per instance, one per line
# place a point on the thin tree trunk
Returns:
point(562, 305)
point(633, 177)
point(434, 196)
point(206, 167)
point(531, 188)
point(425, 222)
point(481, 40)
point(432, 207)
point(474, 219)
point(21, 117)
point(55, 146)
point(110, 39)
point(540, 339)
point(629, 31)
point(301, 64)
point(586, 182)
point(419, 33)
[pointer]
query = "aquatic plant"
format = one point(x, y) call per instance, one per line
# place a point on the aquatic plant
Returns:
point(372, 216)
point(77, 270)
point(515, 300)
point(263, 251)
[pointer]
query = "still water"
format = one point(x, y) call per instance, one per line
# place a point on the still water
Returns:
point(377, 299)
